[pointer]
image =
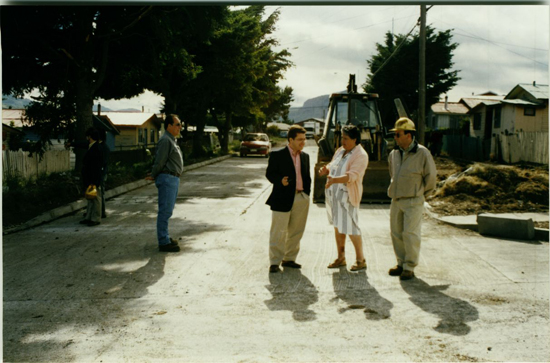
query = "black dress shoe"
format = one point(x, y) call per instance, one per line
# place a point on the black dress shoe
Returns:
point(396, 271)
point(274, 268)
point(170, 247)
point(406, 275)
point(291, 264)
point(92, 224)
point(85, 221)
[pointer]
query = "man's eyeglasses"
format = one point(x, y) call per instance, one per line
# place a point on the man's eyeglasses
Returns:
point(176, 124)
point(397, 135)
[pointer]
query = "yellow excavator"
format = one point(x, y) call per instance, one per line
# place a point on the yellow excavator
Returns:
point(361, 110)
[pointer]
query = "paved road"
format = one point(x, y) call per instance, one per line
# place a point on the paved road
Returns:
point(105, 294)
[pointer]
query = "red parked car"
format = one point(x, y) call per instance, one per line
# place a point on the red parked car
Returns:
point(255, 143)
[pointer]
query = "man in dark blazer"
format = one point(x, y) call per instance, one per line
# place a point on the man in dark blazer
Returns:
point(288, 171)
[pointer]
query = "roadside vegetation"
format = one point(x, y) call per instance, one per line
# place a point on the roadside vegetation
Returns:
point(23, 199)
point(466, 188)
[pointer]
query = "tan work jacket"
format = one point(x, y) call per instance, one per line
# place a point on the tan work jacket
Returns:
point(413, 172)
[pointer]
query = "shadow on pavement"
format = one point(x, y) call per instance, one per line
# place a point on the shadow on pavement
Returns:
point(83, 282)
point(294, 292)
point(354, 289)
point(453, 313)
point(239, 175)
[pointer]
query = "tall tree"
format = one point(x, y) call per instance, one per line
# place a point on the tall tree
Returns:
point(396, 75)
point(239, 74)
point(258, 67)
point(176, 35)
point(63, 52)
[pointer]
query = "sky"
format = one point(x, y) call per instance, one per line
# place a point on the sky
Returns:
point(499, 46)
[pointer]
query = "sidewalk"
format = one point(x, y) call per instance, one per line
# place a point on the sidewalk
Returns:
point(81, 203)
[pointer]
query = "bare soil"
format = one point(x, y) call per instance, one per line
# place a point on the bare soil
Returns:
point(466, 188)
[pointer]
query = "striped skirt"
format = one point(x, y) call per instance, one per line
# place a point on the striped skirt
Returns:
point(340, 212)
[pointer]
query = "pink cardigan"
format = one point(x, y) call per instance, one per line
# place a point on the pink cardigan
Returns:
point(355, 169)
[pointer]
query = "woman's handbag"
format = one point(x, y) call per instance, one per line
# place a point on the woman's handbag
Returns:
point(91, 192)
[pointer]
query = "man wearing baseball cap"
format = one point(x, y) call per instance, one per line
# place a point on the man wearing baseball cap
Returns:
point(413, 175)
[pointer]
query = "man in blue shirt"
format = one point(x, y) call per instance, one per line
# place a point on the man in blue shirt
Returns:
point(167, 169)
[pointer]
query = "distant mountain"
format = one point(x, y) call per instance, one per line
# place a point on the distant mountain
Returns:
point(14, 103)
point(103, 108)
point(129, 110)
point(313, 108)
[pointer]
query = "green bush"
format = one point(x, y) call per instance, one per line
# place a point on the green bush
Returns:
point(273, 130)
point(23, 200)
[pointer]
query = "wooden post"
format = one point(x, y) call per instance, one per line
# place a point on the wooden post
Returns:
point(422, 77)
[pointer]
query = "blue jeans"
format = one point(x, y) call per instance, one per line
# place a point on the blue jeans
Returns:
point(167, 186)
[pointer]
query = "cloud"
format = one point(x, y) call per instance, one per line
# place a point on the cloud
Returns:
point(499, 45)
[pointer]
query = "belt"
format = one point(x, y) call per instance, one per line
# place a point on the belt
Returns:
point(401, 198)
point(171, 173)
point(299, 191)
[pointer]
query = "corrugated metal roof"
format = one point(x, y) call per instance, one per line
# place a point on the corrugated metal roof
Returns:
point(281, 125)
point(539, 91)
point(520, 102)
point(452, 108)
point(473, 101)
point(486, 103)
point(128, 118)
point(13, 115)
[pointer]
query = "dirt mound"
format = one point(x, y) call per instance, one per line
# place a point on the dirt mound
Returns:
point(471, 188)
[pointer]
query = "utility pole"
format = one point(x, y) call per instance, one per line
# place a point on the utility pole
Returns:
point(422, 77)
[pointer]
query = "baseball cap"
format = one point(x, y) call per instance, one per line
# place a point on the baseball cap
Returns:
point(404, 123)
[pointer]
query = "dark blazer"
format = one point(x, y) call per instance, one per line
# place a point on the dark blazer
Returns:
point(92, 166)
point(280, 165)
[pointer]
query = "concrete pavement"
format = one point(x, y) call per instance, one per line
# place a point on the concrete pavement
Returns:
point(105, 294)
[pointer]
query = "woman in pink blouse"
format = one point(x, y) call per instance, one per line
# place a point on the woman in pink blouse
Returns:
point(343, 193)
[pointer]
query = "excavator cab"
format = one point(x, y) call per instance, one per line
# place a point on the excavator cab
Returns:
point(361, 110)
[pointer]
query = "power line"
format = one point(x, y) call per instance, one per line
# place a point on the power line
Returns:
point(496, 43)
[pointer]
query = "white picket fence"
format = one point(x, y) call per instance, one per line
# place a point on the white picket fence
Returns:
point(524, 146)
point(28, 167)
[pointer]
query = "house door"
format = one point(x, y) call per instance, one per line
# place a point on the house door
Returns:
point(489, 123)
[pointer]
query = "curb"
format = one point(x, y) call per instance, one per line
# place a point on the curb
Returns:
point(81, 203)
point(541, 234)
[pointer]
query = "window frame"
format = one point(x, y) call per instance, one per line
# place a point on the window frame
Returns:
point(527, 111)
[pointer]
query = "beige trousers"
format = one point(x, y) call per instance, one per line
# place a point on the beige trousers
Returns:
point(287, 229)
point(405, 225)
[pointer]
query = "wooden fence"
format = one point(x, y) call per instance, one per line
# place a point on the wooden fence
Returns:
point(529, 147)
point(28, 167)
point(464, 147)
point(524, 146)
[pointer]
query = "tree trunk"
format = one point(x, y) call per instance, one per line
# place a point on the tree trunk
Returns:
point(84, 113)
point(224, 133)
point(198, 149)
point(170, 105)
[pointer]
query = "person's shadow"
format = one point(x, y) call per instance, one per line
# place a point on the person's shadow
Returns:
point(294, 292)
point(354, 289)
point(454, 314)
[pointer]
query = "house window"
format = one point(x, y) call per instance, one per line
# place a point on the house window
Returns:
point(152, 136)
point(477, 121)
point(529, 111)
point(497, 117)
point(140, 136)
